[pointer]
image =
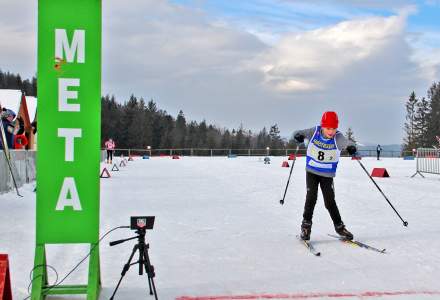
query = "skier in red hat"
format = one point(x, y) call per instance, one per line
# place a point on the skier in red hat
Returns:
point(323, 151)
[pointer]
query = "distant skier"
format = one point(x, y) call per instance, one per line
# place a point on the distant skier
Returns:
point(323, 151)
point(110, 147)
point(378, 150)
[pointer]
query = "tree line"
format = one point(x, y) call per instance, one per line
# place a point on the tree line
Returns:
point(14, 82)
point(422, 124)
point(139, 124)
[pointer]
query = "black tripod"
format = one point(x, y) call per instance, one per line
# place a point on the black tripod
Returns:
point(144, 262)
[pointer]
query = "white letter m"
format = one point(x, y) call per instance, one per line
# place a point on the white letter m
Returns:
point(77, 46)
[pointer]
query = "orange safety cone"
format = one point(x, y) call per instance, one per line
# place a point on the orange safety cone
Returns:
point(380, 172)
point(5, 278)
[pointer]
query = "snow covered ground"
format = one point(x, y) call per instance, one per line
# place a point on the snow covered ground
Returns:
point(220, 232)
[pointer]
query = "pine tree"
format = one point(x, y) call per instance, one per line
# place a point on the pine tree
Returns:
point(202, 135)
point(421, 120)
point(34, 86)
point(248, 140)
point(147, 128)
point(192, 139)
point(167, 135)
point(275, 138)
point(179, 131)
point(226, 142)
point(132, 118)
point(263, 139)
point(213, 140)
point(410, 124)
point(110, 119)
point(350, 136)
point(239, 139)
point(433, 115)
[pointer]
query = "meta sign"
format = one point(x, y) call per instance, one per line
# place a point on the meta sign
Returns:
point(69, 121)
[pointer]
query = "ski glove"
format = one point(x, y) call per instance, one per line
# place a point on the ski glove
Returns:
point(351, 149)
point(299, 137)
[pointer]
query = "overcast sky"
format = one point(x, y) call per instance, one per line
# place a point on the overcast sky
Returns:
point(260, 62)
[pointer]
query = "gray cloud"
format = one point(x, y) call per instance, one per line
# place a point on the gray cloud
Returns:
point(185, 60)
point(18, 27)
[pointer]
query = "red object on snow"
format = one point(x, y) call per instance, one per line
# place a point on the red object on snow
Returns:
point(356, 158)
point(292, 156)
point(285, 164)
point(5, 278)
point(175, 157)
point(380, 172)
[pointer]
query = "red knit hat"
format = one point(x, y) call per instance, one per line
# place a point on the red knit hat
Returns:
point(330, 120)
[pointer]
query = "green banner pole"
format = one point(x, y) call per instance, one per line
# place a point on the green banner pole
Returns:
point(69, 113)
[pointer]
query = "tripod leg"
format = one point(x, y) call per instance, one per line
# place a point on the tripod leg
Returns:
point(143, 264)
point(150, 271)
point(124, 270)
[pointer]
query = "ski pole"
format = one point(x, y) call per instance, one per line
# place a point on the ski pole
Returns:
point(405, 223)
point(7, 156)
point(12, 174)
point(290, 174)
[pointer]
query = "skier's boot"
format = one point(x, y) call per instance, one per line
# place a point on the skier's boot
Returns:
point(343, 232)
point(306, 230)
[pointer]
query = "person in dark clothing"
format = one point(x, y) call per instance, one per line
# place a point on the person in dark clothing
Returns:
point(34, 127)
point(378, 150)
point(323, 151)
point(7, 119)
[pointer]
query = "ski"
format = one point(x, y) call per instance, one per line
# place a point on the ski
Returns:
point(309, 246)
point(358, 244)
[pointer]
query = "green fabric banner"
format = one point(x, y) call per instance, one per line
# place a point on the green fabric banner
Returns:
point(69, 121)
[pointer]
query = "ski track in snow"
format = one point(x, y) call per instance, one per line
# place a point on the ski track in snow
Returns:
point(220, 232)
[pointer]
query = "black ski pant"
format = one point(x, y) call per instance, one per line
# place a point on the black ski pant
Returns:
point(109, 154)
point(378, 155)
point(328, 191)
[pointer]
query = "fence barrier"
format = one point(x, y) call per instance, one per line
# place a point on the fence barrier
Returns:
point(25, 160)
point(428, 161)
point(241, 152)
point(23, 167)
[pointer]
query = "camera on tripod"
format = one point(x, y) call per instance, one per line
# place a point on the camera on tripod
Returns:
point(140, 224)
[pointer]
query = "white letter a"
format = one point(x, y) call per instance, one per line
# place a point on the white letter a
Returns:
point(69, 187)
